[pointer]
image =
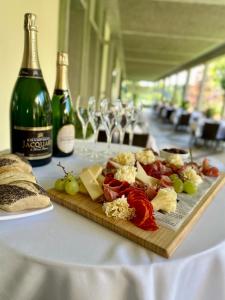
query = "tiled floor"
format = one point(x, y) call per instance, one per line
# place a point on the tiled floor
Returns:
point(166, 137)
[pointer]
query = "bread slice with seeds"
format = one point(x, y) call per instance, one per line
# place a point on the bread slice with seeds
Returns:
point(22, 195)
point(14, 175)
point(8, 161)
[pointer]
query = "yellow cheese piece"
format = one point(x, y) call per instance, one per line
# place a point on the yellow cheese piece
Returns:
point(101, 179)
point(82, 188)
point(143, 177)
point(91, 184)
point(96, 170)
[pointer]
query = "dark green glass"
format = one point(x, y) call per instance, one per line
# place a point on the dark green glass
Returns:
point(31, 108)
point(30, 111)
point(63, 120)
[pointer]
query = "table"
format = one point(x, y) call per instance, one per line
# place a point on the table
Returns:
point(61, 255)
point(221, 131)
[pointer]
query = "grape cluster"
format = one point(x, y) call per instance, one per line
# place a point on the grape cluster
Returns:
point(68, 183)
point(183, 186)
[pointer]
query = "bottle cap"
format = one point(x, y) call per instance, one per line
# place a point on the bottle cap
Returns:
point(30, 21)
point(62, 58)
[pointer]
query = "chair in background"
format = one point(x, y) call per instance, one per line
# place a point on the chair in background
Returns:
point(167, 114)
point(102, 137)
point(209, 134)
point(140, 139)
point(183, 121)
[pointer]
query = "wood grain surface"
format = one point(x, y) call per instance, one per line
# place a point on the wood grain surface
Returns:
point(164, 241)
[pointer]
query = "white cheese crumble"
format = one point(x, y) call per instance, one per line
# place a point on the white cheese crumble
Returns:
point(176, 160)
point(126, 173)
point(118, 209)
point(125, 158)
point(190, 174)
point(145, 157)
point(165, 200)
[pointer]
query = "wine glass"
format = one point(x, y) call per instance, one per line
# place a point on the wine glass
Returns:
point(95, 120)
point(83, 116)
point(116, 109)
point(108, 121)
point(134, 118)
point(126, 118)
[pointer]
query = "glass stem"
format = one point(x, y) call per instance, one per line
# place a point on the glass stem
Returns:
point(122, 132)
point(109, 139)
point(84, 131)
point(96, 132)
point(131, 137)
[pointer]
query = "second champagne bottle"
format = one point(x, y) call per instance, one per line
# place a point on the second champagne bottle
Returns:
point(62, 110)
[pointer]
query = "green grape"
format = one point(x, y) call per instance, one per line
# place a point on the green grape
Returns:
point(70, 176)
point(60, 185)
point(174, 177)
point(71, 187)
point(178, 185)
point(189, 187)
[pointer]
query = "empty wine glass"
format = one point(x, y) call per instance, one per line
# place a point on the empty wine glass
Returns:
point(108, 121)
point(95, 120)
point(134, 118)
point(83, 116)
point(116, 109)
point(126, 118)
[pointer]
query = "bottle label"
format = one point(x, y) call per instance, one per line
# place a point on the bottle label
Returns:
point(33, 142)
point(65, 138)
point(31, 73)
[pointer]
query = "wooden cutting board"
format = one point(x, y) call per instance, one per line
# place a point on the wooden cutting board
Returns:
point(164, 241)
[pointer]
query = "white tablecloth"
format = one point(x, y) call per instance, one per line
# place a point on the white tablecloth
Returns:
point(221, 131)
point(60, 255)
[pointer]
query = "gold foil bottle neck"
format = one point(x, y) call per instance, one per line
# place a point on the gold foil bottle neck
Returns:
point(30, 21)
point(30, 54)
point(62, 59)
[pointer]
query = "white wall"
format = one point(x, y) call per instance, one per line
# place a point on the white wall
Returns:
point(11, 49)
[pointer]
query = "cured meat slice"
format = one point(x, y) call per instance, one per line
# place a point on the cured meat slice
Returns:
point(144, 217)
point(114, 188)
point(208, 170)
point(157, 169)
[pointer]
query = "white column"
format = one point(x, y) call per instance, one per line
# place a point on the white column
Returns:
point(185, 90)
point(64, 24)
point(201, 88)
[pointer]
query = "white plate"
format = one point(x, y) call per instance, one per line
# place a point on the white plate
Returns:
point(4, 215)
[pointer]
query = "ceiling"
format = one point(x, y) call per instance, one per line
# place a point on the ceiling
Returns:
point(161, 37)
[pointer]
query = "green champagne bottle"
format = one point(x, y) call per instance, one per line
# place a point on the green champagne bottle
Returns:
point(30, 111)
point(62, 110)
